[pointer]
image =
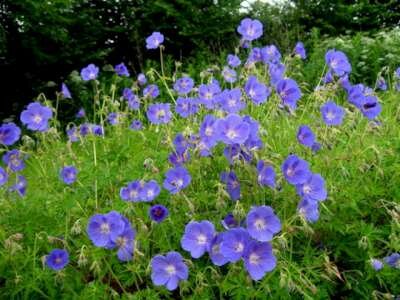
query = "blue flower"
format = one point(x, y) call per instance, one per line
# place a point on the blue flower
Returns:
point(168, 270)
point(197, 237)
point(233, 60)
point(262, 223)
point(332, 113)
point(300, 50)
point(289, 92)
point(250, 29)
point(121, 70)
point(184, 85)
point(68, 174)
point(337, 62)
point(159, 113)
point(258, 259)
point(65, 91)
point(176, 179)
point(57, 259)
point(9, 134)
point(305, 136)
point(90, 72)
point(295, 170)
point(313, 189)
point(154, 40)
point(36, 117)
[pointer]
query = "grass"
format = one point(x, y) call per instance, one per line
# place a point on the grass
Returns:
point(329, 259)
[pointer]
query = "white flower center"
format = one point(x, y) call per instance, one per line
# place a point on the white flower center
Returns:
point(254, 259)
point(231, 134)
point(330, 116)
point(239, 247)
point(37, 119)
point(105, 228)
point(306, 189)
point(171, 270)
point(209, 131)
point(259, 224)
point(201, 239)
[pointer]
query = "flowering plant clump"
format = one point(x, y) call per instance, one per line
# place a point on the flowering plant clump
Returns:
point(237, 182)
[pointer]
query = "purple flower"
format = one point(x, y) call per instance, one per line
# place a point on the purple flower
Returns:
point(68, 174)
point(270, 54)
point(168, 270)
point(300, 50)
point(305, 136)
point(295, 170)
point(113, 118)
point(57, 259)
point(337, 62)
point(158, 213)
point(36, 116)
point(377, 264)
point(124, 241)
point(230, 101)
point(254, 56)
point(229, 75)
point(159, 113)
point(258, 259)
point(131, 192)
point(266, 174)
point(232, 184)
point(141, 79)
point(208, 94)
point(232, 129)
point(65, 91)
point(151, 91)
point(381, 84)
point(258, 92)
point(90, 72)
point(229, 221)
point(149, 191)
point(81, 113)
point(20, 186)
point(233, 60)
point(262, 223)
point(214, 250)
point(121, 70)
point(136, 125)
point(313, 189)
point(9, 134)
point(250, 29)
point(97, 130)
point(102, 229)
point(276, 72)
point(393, 260)
point(208, 132)
point(177, 158)
point(14, 160)
point(154, 40)
point(3, 176)
point(289, 92)
point(370, 107)
point(181, 143)
point(176, 179)
point(234, 242)
point(186, 107)
point(309, 210)
point(184, 85)
point(332, 114)
point(397, 73)
point(197, 237)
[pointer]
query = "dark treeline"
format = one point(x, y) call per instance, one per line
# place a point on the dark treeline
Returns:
point(42, 41)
